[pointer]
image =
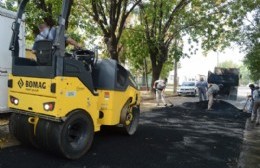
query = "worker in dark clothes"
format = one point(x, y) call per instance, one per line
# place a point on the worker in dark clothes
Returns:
point(202, 89)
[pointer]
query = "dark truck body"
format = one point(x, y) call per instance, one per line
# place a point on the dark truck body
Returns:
point(229, 78)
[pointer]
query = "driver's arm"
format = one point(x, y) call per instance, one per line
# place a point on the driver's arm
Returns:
point(73, 42)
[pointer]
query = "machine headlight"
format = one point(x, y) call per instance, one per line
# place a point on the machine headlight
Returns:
point(48, 106)
point(14, 100)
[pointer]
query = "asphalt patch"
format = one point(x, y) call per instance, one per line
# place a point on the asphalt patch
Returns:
point(220, 108)
point(185, 136)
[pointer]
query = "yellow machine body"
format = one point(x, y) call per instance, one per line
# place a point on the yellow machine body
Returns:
point(60, 99)
point(68, 94)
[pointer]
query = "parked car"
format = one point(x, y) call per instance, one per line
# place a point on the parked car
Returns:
point(187, 88)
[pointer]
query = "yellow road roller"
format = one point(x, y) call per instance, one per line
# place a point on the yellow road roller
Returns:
point(59, 100)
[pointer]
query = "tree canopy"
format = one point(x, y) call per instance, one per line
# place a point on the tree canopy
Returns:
point(111, 16)
point(252, 61)
point(250, 40)
point(135, 30)
point(214, 23)
point(228, 64)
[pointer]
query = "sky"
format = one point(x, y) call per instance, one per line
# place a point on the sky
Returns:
point(200, 64)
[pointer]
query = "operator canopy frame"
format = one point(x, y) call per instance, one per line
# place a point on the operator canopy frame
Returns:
point(107, 74)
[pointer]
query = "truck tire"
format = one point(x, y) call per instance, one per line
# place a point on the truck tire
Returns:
point(130, 118)
point(70, 139)
point(22, 130)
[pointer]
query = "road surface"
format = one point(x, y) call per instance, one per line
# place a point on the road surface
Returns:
point(186, 136)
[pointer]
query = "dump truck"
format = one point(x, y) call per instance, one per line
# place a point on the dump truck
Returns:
point(229, 78)
point(60, 100)
point(6, 20)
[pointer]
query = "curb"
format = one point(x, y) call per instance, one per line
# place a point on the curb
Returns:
point(153, 98)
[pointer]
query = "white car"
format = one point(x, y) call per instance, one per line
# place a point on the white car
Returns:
point(187, 88)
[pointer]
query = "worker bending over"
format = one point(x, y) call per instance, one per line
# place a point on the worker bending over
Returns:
point(213, 90)
point(159, 87)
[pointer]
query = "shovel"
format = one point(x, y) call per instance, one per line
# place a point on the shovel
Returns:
point(245, 109)
point(171, 104)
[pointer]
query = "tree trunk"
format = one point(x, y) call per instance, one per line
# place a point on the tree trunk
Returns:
point(156, 72)
point(111, 44)
point(114, 55)
point(156, 66)
point(175, 76)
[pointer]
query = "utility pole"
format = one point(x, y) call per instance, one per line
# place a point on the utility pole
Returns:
point(217, 58)
point(146, 79)
point(175, 82)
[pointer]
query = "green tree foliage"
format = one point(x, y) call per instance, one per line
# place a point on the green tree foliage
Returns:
point(245, 75)
point(162, 23)
point(39, 11)
point(10, 4)
point(167, 67)
point(228, 64)
point(249, 39)
point(134, 48)
point(214, 22)
point(157, 18)
point(252, 61)
point(249, 34)
point(111, 16)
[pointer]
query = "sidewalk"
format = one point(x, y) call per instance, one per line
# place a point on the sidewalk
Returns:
point(250, 155)
point(147, 95)
point(148, 102)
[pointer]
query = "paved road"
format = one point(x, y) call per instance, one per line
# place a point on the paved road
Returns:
point(180, 137)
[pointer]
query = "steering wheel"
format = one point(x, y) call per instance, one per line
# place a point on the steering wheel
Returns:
point(85, 56)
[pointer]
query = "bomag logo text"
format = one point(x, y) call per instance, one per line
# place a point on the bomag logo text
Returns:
point(35, 84)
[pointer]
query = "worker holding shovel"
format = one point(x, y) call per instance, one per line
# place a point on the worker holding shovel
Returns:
point(160, 86)
point(252, 88)
point(256, 108)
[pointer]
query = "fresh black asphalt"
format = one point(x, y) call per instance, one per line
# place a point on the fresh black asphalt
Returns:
point(185, 136)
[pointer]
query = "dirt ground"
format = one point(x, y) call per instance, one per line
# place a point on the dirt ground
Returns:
point(4, 130)
point(185, 136)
